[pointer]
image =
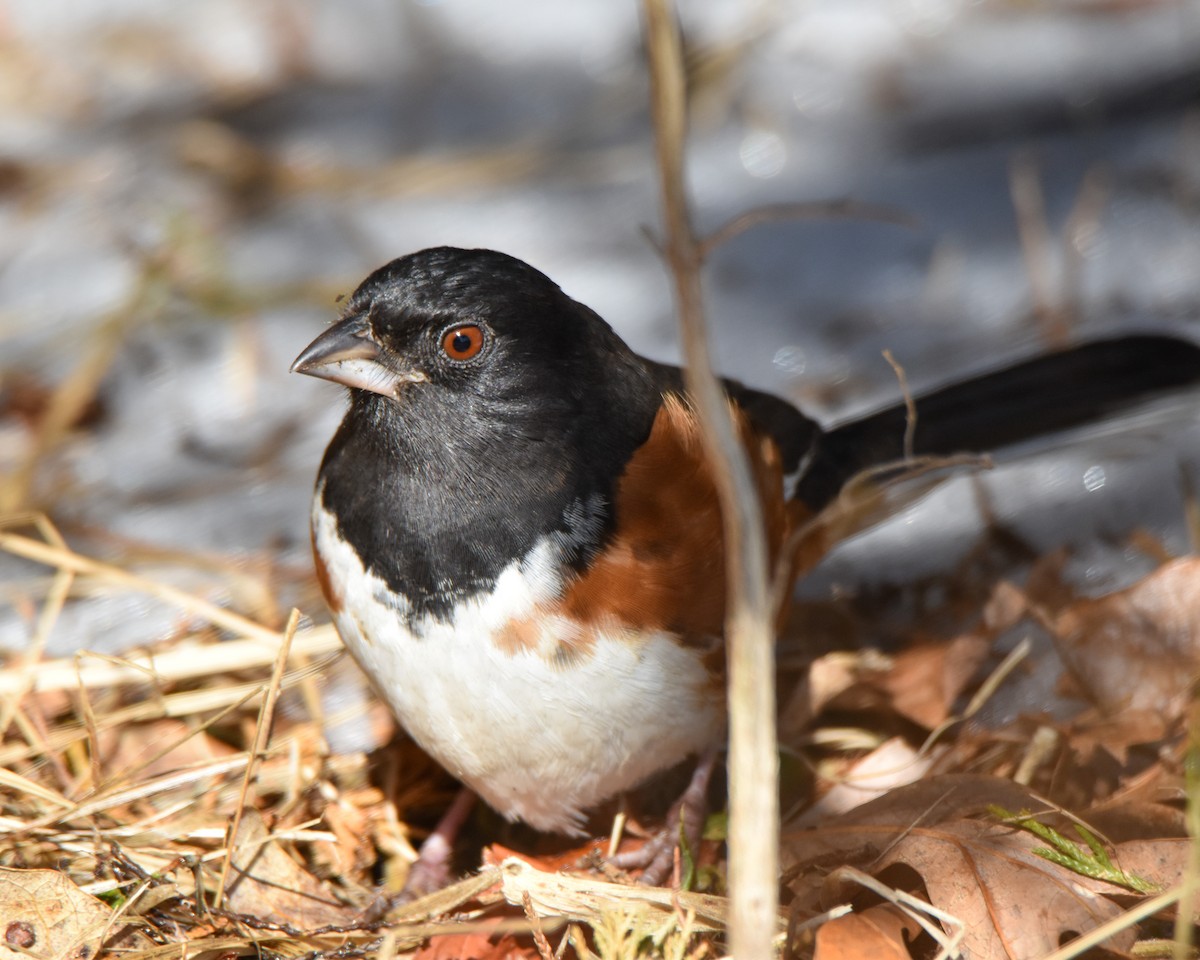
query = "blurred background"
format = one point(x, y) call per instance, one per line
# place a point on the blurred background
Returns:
point(186, 189)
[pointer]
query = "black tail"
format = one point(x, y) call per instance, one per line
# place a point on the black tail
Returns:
point(1058, 391)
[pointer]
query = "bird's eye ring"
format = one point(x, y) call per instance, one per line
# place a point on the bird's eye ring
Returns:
point(462, 342)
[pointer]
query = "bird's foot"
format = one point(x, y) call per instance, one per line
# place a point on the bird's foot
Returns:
point(431, 871)
point(685, 822)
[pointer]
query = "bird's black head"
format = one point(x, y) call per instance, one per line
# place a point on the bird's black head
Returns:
point(476, 386)
point(459, 333)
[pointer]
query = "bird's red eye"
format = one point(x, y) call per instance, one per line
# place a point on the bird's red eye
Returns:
point(462, 343)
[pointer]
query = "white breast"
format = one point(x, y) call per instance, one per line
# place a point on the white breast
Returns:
point(542, 731)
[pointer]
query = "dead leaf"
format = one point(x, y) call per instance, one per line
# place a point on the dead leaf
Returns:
point(46, 915)
point(1116, 734)
point(1005, 608)
point(1139, 648)
point(495, 854)
point(877, 933)
point(1151, 812)
point(890, 765)
point(347, 818)
point(1161, 862)
point(926, 680)
point(1012, 903)
point(824, 680)
point(475, 944)
point(265, 881)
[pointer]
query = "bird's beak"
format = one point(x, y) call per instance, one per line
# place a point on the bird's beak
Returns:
point(348, 353)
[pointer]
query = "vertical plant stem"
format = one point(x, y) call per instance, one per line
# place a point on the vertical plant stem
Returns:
point(749, 628)
point(1184, 933)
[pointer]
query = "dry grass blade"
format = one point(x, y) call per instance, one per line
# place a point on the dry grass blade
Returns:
point(261, 733)
point(142, 791)
point(65, 559)
point(915, 908)
point(52, 608)
point(210, 947)
point(184, 661)
point(981, 696)
point(93, 736)
point(1026, 189)
point(448, 900)
point(127, 774)
point(186, 703)
point(22, 785)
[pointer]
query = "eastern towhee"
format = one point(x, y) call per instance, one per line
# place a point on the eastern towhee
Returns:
point(518, 534)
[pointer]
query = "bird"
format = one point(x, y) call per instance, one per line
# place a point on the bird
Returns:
point(517, 532)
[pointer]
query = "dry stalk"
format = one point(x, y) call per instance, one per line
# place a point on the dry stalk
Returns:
point(1036, 245)
point(753, 763)
point(1185, 933)
point(262, 732)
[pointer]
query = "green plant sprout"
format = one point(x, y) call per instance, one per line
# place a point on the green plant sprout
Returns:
point(1094, 862)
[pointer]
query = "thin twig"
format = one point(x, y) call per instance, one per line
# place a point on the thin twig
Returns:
point(986, 689)
point(826, 210)
point(910, 405)
point(753, 762)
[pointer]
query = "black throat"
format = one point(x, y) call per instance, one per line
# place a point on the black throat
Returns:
point(438, 498)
